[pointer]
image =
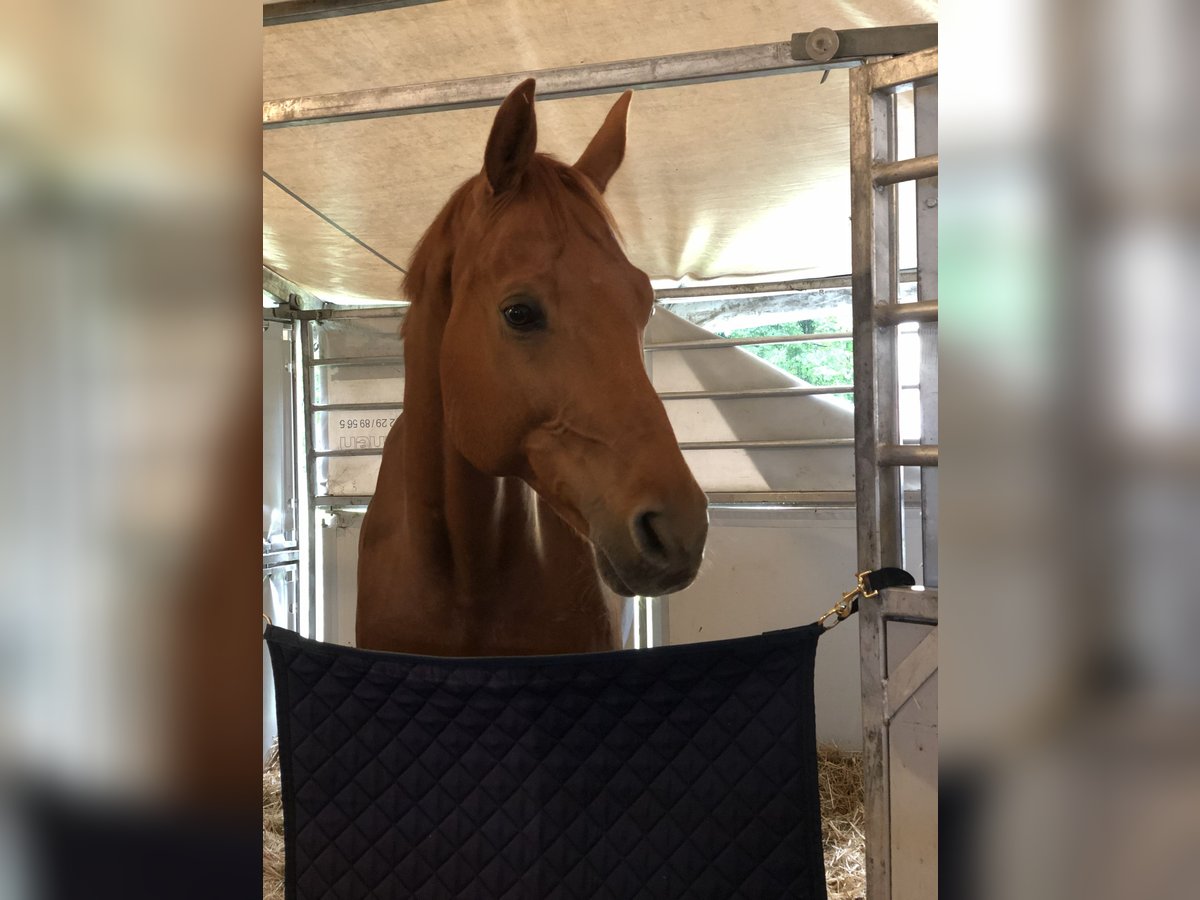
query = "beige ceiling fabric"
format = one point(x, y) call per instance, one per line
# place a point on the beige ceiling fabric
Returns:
point(308, 252)
point(739, 180)
point(452, 39)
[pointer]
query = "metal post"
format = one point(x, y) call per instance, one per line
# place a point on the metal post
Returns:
point(308, 553)
point(864, 134)
point(879, 454)
point(925, 108)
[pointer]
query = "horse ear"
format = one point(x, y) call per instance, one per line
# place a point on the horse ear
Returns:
point(513, 139)
point(603, 155)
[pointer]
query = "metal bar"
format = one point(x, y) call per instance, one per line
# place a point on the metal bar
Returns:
point(334, 407)
point(872, 648)
point(305, 464)
point(911, 673)
point(277, 558)
point(718, 343)
point(766, 288)
point(876, 808)
point(916, 69)
point(357, 452)
point(874, 230)
point(287, 292)
point(289, 12)
point(573, 81)
point(333, 501)
point(915, 169)
point(757, 393)
point(925, 111)
point(909, 605)
point(357, 312)
point(700, 344)
point(896, 455)
point(734, 499)
point(359, 361)
point(798, 499)
point(397, 309)
point(895, 313)
point(858, 43)
point(668, 296)
point(863, 286)
point(748, 394)
point(783, 444)
point(887, 373)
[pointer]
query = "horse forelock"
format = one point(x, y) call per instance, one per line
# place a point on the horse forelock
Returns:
point(561, 193)
point(548, 185)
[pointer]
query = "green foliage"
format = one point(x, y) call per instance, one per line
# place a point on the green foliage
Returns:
point(818, 363)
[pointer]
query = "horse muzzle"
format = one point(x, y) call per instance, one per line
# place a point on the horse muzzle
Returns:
point(657, 551)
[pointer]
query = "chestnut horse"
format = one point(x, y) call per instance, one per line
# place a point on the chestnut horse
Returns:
point(534, 464)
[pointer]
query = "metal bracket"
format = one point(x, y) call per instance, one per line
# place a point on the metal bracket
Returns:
point(825, 44)
point(846, 607)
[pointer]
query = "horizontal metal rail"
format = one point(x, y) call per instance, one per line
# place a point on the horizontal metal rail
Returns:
point(375, 451)
point(286, 556)
point(908, 455)
point(288, 12)
point(718, 343)
point(375, 311)
point(758, 393)
point(887, 40)
point(910, 604)
point(666, 296)
point(698, 344)
point(747, 394)
point(342, 500)
point(895, 313)
point(794, 499)
point(573, 81)
point(735, 499)
point(338, 407)
point(783, 444)
point(344, 361)
point(767, 288)
point(905, 170)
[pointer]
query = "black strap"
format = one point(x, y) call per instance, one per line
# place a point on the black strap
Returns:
point(879, 579)
point(869, 584)
point(888, 577)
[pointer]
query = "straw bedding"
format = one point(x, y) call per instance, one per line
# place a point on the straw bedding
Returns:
point(840, 778)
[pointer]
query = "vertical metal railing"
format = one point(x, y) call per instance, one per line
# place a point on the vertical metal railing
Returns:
point(925, 110)
point(306, 465)
point(879, 453)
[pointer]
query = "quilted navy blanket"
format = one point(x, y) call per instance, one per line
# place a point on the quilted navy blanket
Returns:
point(678, 772)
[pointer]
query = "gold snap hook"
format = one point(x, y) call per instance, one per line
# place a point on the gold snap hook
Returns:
point(844, 607)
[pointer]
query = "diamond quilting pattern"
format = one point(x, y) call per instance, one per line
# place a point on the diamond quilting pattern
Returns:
point(677, 772)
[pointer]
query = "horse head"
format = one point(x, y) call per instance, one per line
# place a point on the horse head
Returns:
point(541, 366)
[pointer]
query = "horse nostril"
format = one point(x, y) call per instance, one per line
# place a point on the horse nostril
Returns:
point(647, 537)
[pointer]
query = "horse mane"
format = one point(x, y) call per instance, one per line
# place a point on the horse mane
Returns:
point(549, 183)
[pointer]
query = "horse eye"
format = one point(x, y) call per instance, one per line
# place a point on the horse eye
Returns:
point(522, 316)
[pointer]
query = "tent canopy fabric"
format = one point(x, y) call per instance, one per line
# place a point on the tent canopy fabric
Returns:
point(740, 180)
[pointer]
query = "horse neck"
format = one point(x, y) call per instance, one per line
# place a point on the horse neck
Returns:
point(466, 523)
